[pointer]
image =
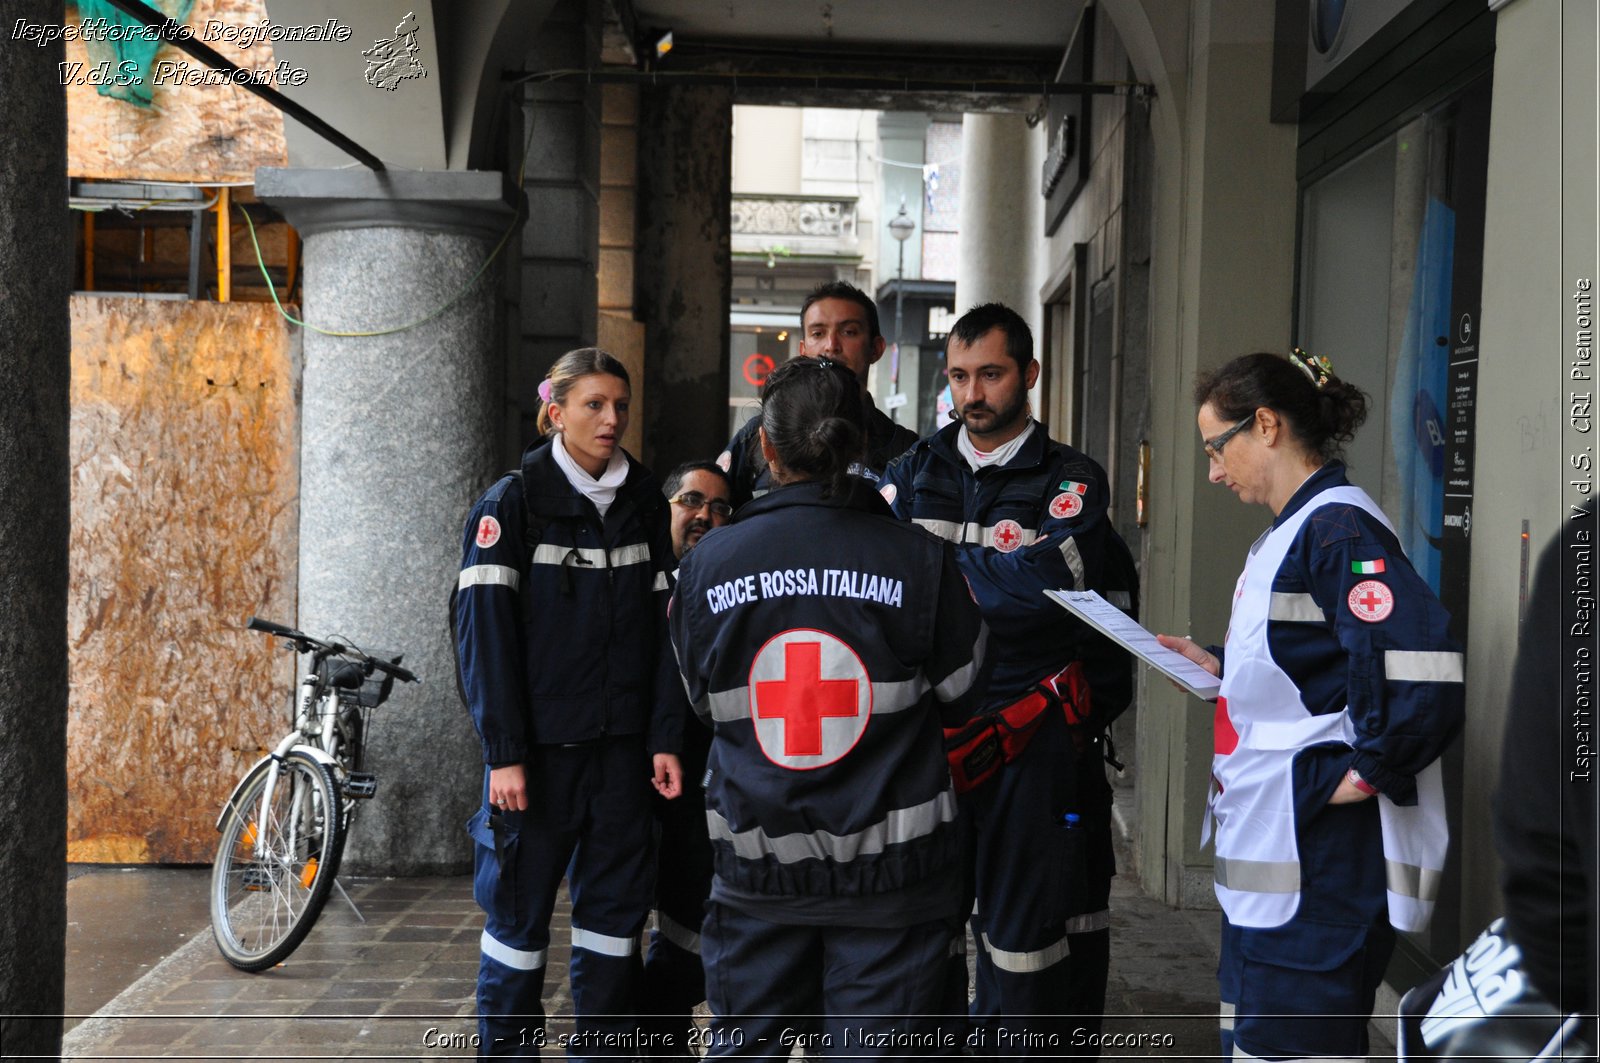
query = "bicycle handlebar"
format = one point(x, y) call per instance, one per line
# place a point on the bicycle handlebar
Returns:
point(304, 643)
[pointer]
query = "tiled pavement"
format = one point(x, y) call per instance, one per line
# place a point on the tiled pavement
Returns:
point(400, 986)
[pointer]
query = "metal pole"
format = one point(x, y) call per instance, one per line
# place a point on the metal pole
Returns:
point(899, 301)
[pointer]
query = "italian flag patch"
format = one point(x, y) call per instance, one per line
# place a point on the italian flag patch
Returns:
point(1074, 486)
point(1366, 568)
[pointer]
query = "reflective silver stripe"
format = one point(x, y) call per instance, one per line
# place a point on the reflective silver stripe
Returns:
point(677, 933)
point(960, 681)
point(1069, 550)
point(546, 554)
point(899, 826)
point(958, 944)
point(1409, 880)
point(520, 959)
point(1027, 962)
point(728, 706)
point(1084, 924)
point(489, 576)
point(630, 555)
point(1121, 599)
point(1424, 666)
point(1225, 1016)
point(1258, 876)
point(604, 944)
point(985, 536)
point(1295, 608)
point(944, 529)
point(661, 582)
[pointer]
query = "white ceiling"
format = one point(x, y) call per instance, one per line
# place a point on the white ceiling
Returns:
point(1029, 24)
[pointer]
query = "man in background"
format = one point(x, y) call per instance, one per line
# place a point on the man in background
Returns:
point(674, 980)
point(837, 321)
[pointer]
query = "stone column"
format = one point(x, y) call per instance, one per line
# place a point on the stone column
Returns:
point(399, 435)
point(1002, 215)
point(35, 279)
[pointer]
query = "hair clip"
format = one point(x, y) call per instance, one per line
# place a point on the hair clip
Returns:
point(544, 390)
point(1317, 368)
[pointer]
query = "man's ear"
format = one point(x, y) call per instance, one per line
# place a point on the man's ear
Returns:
point(879, 345)
point(1030, 376)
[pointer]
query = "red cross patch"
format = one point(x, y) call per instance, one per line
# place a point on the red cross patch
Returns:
point(488, 532)
point(810, 698)
point(1066, 505)
point(889, 491)
point(1371, 601)
point(1007, 536)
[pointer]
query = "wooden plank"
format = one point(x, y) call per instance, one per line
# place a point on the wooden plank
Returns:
point(215, 134)
point(185, 513)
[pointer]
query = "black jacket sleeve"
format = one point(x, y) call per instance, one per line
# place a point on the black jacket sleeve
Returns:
point(1544, 812)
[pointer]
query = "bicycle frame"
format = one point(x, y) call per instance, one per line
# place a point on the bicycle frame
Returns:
point(315, 734)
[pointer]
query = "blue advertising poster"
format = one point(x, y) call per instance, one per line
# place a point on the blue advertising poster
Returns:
point(1419, 396)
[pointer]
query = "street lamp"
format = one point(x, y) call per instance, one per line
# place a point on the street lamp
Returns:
point(900, 227)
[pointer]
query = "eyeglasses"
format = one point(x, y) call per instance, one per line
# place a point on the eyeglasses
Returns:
point(1213, 446)
point(696, 500)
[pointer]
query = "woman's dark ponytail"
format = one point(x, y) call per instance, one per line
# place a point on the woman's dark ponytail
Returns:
point(812, 412)
point(1323, 411)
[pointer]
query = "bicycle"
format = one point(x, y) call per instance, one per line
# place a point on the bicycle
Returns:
point(284, 826)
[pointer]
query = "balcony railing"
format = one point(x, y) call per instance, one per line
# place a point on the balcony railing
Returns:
point(804, 224)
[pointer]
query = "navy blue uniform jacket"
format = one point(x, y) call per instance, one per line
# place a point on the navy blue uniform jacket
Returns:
point(826, 642)
point(1037, 522)
point(561, 633)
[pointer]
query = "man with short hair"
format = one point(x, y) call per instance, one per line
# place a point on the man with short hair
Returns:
point(674, 980)
point(1027, 514)
point(699, 492)
point(837, 321)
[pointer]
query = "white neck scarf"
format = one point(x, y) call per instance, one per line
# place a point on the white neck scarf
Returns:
point(601, 492)
point(999, 456)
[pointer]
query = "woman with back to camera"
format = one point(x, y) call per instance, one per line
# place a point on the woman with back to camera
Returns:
point(1341, 686)
point(825, 642)
point(561, 643)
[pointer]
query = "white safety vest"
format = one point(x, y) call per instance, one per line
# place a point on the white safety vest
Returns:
point(1257, 858)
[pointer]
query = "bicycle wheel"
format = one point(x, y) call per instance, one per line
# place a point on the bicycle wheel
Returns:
point(264, 899)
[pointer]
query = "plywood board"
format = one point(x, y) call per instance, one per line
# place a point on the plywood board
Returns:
point(185, 512)
point(204, 134)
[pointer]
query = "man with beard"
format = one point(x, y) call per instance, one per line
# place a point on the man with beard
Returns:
point(1027, 514)
point(674, 980)
point(699, 492)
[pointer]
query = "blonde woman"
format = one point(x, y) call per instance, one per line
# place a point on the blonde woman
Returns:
point(560, 639)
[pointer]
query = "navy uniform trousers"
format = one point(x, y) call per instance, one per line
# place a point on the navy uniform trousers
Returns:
point(881, 982)
point(1042, 919)
point(1306, 988)
point(674, 979)
point(589, 816)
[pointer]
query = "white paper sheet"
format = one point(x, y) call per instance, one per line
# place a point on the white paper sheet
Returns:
point(1116, 625)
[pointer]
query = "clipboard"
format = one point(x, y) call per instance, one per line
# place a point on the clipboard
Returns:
point(1116, 625)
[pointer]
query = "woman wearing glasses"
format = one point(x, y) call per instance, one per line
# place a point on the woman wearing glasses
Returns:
point(562, 654)
point(1341, 686)
point(825, 642)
